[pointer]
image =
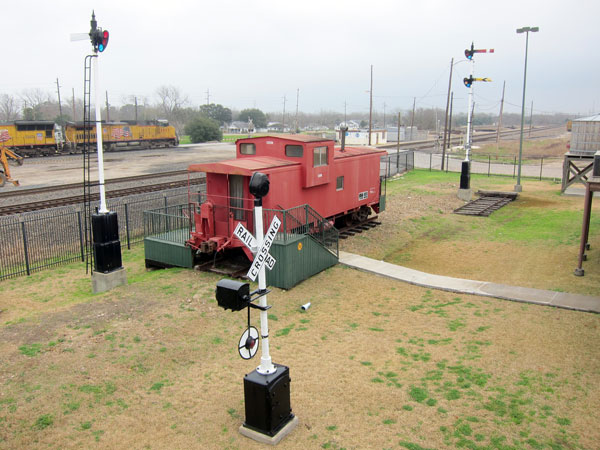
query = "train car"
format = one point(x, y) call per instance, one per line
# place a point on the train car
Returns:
point(340, 184)
point(123, 135)
point(31, 137)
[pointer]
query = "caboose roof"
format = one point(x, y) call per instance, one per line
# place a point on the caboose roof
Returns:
point(356, 151)
point(242, 166)
point(288, 137)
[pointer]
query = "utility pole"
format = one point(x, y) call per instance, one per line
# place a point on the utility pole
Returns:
point(345, 117)
point(398, 143)
point(136, 107)
point(107, 108)
point(530, 118)
point(73, 104)
point(450, 121)
point(446, 119)
point(500, 119)
point(371, 106)
point(283, 116)
point(297, 98)
point(412, 119)
point(59, 104)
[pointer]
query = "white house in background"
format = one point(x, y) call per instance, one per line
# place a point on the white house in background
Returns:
point(361, 137)
point(350, 124)
point(241, 127)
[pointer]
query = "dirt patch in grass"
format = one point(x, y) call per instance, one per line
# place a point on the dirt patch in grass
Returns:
point(541, 148)
point(374, 363)
point(531, 242)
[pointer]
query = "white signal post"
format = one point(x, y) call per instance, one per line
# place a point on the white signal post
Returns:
point(469, 115)
point(266, 365)
point(470, 111)
point(103, 209)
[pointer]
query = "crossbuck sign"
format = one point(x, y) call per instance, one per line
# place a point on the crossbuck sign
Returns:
point(261, 256)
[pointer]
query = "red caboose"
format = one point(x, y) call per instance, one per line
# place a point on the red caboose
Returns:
point(341, 184)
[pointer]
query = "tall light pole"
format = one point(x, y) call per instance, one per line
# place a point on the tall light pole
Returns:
point(526, 30)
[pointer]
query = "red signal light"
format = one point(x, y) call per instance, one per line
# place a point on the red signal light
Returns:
point(102, 45)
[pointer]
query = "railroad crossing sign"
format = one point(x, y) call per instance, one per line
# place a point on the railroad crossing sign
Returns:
point(261, 256)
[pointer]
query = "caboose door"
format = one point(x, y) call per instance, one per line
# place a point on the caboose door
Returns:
point(236, 196)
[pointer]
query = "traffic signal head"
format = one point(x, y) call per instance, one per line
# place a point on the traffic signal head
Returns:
point(233, 295)
point(104, 41)
point(469, 53)
point(259, 185)
point(468, 81)
point(100, 39)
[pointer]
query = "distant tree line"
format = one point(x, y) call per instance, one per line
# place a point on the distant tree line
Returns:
point(206, 122)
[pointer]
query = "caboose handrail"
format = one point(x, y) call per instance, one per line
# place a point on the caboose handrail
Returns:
point(304, 220)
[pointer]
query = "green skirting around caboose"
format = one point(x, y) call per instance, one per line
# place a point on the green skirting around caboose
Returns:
point(162, 250)
point(298, 258)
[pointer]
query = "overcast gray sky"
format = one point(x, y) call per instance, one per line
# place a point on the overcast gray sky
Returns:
point(253, 53)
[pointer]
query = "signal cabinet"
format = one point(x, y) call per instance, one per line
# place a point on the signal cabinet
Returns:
point(107, 247)
point(267, 400)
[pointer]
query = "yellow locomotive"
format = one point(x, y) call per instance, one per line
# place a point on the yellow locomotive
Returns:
point(44, 137)
point(123, 135)
point(31, 137)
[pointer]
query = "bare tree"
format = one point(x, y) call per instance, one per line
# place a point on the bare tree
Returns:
point(170, 101)
point(9, 108)
point(37, 104)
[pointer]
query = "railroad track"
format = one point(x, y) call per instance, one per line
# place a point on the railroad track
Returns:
point(358, 228)
point(113, 181)
point(78, 199)
point(538, 133)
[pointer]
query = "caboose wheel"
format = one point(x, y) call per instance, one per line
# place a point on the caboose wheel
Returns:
point(363, 214)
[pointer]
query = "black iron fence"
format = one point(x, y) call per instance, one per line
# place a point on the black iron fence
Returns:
point(396, 163)
point(35, 241)
point(486, 164)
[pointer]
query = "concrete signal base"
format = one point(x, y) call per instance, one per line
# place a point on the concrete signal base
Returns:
point(266, 439)
point(102, 282)
point(465, 194)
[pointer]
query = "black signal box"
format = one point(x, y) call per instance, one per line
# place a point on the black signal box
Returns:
point(267, 400)
point(107, 247)
point(105, 227)
point(233, 295)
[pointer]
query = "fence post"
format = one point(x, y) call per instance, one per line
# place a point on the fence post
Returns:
point(541, 167)
point(127, 225)
point(80, 235)
point(430, 156)
point(514, 166)
point(25, 248)
point(447, 162)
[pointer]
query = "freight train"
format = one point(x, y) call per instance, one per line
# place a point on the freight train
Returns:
point(342, 185)
point(43, 137)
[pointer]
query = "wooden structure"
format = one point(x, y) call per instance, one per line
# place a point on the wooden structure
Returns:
point(487, 203)
point(585, 142)
point(592, 185)
point(576, 169)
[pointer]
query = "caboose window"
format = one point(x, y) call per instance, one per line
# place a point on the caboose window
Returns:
point(295, 151)
point(248, 149)
point(319, 156)
point(339, 185)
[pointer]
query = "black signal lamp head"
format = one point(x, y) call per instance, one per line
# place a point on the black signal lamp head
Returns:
point(259, 185)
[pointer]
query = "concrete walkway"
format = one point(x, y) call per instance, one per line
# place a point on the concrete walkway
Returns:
point(519, 294)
